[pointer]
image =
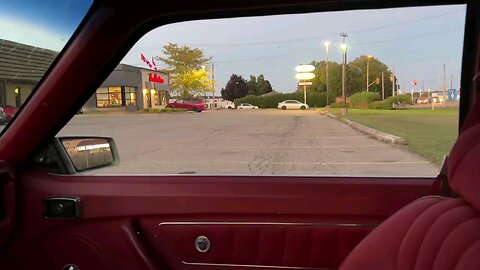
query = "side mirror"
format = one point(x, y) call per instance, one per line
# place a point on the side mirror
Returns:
point(70, 155)
point(89, 153)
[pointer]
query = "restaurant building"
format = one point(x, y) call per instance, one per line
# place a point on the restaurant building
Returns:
point(21, 68)
point(131, 88)
point(127, 88)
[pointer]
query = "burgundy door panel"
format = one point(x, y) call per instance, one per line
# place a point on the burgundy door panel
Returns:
point(306, 245)
point(7, 211)
point(97, 245)
point(121, 216)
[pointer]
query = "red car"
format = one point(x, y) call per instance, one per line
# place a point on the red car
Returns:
point(191, 104)
point(10, 111)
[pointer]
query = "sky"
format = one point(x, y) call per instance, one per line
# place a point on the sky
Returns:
point(415, 41)
point(41, 23)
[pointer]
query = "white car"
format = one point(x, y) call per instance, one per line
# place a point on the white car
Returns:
point(246, 106)
point(292, 105)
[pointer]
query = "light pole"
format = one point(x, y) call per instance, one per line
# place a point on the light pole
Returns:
point(344, 53)
point(368, 69)
point(326, 68)
point(204, 67)
point(344, 71)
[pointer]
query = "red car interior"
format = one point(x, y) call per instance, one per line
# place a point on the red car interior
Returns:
point(267, 221)
point(252, 222)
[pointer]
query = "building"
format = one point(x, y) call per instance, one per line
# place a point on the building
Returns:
point(131, 88)
point(218, 102)
point(128, 87)
point(21, 68)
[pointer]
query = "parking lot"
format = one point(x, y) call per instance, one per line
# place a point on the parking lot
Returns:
point(245, 142)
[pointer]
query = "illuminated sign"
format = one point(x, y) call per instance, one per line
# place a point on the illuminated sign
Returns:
point(155, 78)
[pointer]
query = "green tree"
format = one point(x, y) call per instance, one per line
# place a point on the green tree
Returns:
point(236, 88)
point(357, 76)
point(252, 85)
point(186, 67)
point(258, 85)
point(334, 78)
point(190, 83)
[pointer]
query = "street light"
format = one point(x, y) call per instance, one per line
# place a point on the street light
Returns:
point(304, 74)
point(326, 43)
point(344, 52)
point(368, 69)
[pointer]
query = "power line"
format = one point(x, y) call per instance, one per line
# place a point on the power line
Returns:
point(360, 43)
point(323, 36)
point(409, 37)
point(311, 37)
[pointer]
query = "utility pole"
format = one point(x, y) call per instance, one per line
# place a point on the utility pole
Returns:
point(326, 70)
point(213, 84)
point(368, 69)
point(305, 92)
point(393, 82)
point(451, 81)
point(344, 71)
point(423, 88)
point(383, 88)
point(444, 83)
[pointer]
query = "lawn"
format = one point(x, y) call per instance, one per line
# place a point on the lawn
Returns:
point(428, 133)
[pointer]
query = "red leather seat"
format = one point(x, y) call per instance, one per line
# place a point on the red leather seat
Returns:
point(432, 232)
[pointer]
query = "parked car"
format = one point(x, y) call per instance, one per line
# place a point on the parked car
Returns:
point(10, 111)
point(292, 105)
point(422, 100)
point(3, 117)
point(246, 106)
point(190, 104)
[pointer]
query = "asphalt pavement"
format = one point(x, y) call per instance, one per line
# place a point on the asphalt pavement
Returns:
point(265, 142)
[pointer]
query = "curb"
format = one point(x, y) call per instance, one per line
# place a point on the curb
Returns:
point(381, 136)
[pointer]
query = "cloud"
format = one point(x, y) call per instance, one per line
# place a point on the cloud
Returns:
point(24, 32)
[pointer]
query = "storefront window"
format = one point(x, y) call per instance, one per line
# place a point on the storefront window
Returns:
point(109, 96)
point(102, 97)
point(130, 96)
point(114, 96)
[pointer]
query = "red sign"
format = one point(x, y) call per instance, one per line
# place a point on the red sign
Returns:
point(305, 83)
point(155, 78)
point(415, 82)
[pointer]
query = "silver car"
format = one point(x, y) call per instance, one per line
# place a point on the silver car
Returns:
point(292, 105)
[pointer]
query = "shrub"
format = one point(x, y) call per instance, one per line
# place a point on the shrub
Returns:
point(314, 99)
point(404, 99)
point(339, 105)
point(381, 105)
point(363, 99)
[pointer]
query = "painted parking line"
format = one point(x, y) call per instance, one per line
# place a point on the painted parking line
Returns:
point(334, 137)
point(276, 147)
point(279, 163)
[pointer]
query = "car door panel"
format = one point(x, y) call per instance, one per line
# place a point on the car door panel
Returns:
point(140, 221)
point(274, 244)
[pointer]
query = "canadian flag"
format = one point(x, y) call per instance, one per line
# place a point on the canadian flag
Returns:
point(144, 59)
point(154, 64)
